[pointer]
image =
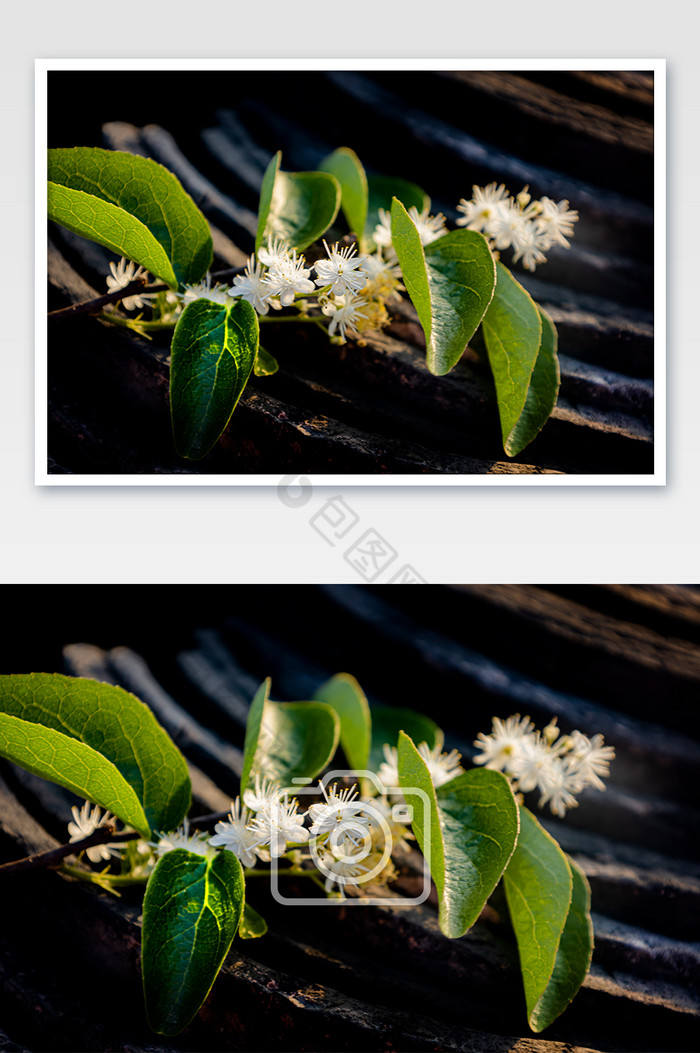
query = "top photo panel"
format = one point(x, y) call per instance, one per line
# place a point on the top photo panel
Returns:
point(374, 274)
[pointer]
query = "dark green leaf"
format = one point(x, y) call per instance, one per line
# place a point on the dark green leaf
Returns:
point(573, 958)
point(287, 740)
point(70, 763)
point(113, 723)
point(538, 885)
point(513, 332)
point(467, 835)
point(251, 925)
point(212, 356)
point(265, 363)
point(346, 697)
point(388, 721)
point(132, 205)
point(296, 206)
point(191, 912)
point(542, 393)
point(347, 168)
point(450, 282)
point(382, 190)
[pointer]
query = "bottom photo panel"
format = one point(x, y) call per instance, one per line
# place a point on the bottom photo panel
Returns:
point(354, 818)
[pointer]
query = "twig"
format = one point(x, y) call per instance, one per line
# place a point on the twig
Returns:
point(54, 856)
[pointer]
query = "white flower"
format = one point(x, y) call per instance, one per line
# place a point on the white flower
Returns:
point(344, 311)
point(87, 820)
point(500, 747)
point(378, 809)
point(277, 250)
point(382, 231)
point(181, 838)
point(533, 764)
point(342, 817)
point(383, 277)
point(251, 286)
point(558, 788)
point(589, 759)
point(204, 291)
point(555, 222)
point(343, 871)
point(235, 835)
point(429, 228)
point(442, 766)
point(484, 207)
point(264, 794)
point(280, 824)
point(340, 271)
point(530, 246)
point(388, 773)
point(123, 274)
point(288, 276)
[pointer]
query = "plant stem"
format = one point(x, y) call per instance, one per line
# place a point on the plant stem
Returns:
point(54, 856)
point(102, 879)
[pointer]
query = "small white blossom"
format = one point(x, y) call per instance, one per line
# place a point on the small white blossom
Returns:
point(399, 834)
point(287, 277)
point(236, 835)
point(280, 824)
point(484, 207)
point(123, 274)
point(555, 222)
point(277, 251)
point(589, 759)
point(382, 231)
point(344, 312)
point(87, 820)
point(251, 286)
point(344, 871)
point(340, 271)
point(343, 817)
point(499, 748)
point(181, 838)
point(383, 277)
point(429, 228)
point(442, 766)
point(204, 290)
point(263, 794)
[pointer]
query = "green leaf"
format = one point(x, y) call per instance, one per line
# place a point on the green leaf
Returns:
point(346, 697)
point(389, 721)
point(450, 282)
point(70, 763)
point(542, 393)
point(251, 925)
point(513, 330)
point(347, 168)
point(115, 724)
point(538, 884)
point(382, 190)
point(296, 206)
point(191, 912)
point(132, 205)
point(212, 355)
point(287, 740)
point(467, 835)
point(265, 364)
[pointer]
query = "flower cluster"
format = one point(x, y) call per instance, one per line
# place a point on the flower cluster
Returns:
point(528, 227)
point(559, 766)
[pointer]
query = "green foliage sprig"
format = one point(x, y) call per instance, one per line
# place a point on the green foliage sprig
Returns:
point(472, 826)
point(455, 279)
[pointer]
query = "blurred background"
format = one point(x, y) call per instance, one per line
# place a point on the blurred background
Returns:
point(621, 660)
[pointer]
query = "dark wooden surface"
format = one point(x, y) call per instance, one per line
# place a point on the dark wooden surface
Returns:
point(376, 409)
point(621, 660)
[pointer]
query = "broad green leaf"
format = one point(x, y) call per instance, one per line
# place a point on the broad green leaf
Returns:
point(451, 283)
point(347, 168)
point(573, 958)
point(513, 332)
point(265, 364)
point(467, 835)
point(132, 205)
point(346, 697)
point(287, 740)
point(296, 206)
point(191, 912)
point(382, 190)
point(251, 924)
point(114, 723)
point(70, 763)
point(388, 721)
point(538, 885)
point(211, 358)
point(542, 393)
